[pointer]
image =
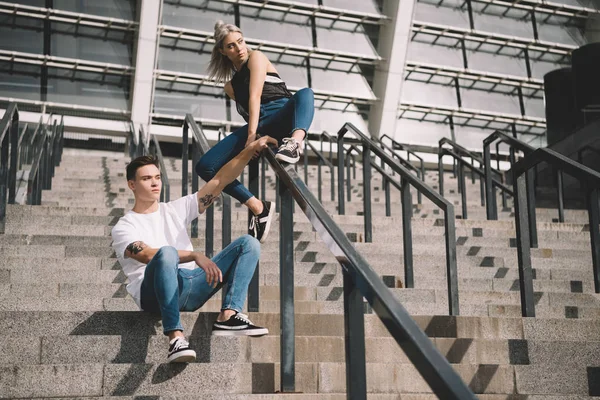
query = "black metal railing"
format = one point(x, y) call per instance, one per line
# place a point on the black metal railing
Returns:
point(42, 150)
point(491, 206)
point(321, 161)
point(407, 180)
point(522, 182)
point(47, 151)
point(397, 146)
point(360, 280)
point(461, 165)
point(420, 173)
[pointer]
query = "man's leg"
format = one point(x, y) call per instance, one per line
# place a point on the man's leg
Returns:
point(160, 293)
point(237, 262)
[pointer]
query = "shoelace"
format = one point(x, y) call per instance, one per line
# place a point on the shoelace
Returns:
point(243, 317)
point(289, 144)
point(253, 221)
point(180, 343)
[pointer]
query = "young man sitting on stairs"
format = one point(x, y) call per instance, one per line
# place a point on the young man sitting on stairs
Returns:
point(165, 274)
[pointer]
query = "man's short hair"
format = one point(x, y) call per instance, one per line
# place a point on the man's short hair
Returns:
point(140, 162)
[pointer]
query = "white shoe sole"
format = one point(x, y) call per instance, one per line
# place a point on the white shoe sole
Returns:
point(268, 225)
point(243, 332)
point(287, 159)
point(185, 356)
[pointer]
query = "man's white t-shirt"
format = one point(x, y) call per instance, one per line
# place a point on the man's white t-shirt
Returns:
point(165, 227)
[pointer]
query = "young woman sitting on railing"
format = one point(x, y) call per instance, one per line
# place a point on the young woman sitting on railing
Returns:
point(268, 107)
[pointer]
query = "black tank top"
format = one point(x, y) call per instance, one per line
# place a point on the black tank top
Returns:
point(273, 89)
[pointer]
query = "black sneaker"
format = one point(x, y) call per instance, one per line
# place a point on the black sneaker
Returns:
point(289, 151)
point(238, 325)
point(180, 352)
point(260, 224)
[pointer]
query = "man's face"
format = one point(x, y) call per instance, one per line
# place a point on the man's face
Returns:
point(147, 183)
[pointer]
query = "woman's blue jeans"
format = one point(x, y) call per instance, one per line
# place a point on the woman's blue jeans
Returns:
point(278, 119)
point(167, 289)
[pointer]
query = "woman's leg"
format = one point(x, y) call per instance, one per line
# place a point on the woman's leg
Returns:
point(219, 155)
point(291, 120)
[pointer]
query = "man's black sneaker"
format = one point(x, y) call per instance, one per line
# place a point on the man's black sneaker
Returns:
point(180, 352)
point(238, 325)
point(261, 224)
point(289, 151)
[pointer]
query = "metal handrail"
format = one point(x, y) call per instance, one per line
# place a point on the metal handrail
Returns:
point(490, 192)
point(408, 179)
point(409, 152)
point(591, 180)
point(360, 280)
point(461, 178)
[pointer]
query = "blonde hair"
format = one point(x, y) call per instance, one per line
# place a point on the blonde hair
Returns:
point(220, 67)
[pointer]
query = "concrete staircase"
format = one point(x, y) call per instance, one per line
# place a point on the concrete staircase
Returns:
point(69, 330)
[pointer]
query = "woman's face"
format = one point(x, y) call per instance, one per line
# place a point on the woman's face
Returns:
point(234, 47)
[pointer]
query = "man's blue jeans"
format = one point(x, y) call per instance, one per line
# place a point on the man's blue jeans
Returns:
point(278, 119)
point(167, 289)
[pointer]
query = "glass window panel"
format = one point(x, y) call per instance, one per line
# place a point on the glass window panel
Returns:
point(183, 60)
point(332, 120)
point(114, 94)
point(273, 28)
point(352, 42)
point(568, 35)
point(427, 53)
point(480, 61)
point(200, 17)
point(442, 15)
point(340, 82)
point(367, 6)
point(541, 68)
point(471, 138)
point(429, 94)
point(19, 85)
point(122, 9)
point(21, 39)
point(480, 100)
point(416, 132)
point(535, 108)
point(502, 25)
point(92, 48)
point(201, 105)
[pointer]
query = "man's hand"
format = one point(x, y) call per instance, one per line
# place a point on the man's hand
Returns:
point(214, 276)
point(261, 144)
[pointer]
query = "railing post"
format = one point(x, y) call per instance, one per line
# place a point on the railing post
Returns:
point(305, 161)
point(319, 180)
point(349, 179)
point(184, 159)
point(388, 206)
point(594, 217)
point(354, 324)
point(366, 158)
point(531, 208)
point(3, 180)
point(461, 189)
point(286, 291)
point(523, 246)
point(332, 176)
point(451, 269)
point(226, 221)
point(490, 191)
point(195, 184)
point(340, 173)
point(253, 289)
point(409, 280)
point(263, 179)
point(441, 174)
point(12, 169)
point(560, 194)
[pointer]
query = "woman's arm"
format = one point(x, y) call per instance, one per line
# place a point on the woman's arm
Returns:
point(257, 64)
point(229, 90)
